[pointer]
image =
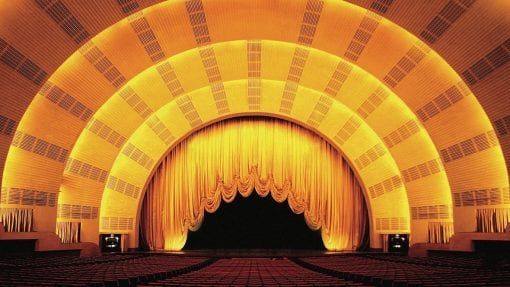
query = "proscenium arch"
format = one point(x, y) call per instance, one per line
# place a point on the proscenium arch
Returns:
point(259, 116)
point(237, 50)
point(490, 158)
point(177, 123)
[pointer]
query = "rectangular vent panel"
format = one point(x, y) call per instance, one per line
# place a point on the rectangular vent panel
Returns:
point(470, 146)
point(189, 111)
point(85, 170)
point(160, 129)
point(388, 185)
point(23, 196)
point(450, 13)
point(59, 13)
point(370, 156)
point(311, 18)
point(338, 78)
point(488, 64)
point(422, 170)
point(347, 130)
point(119, 185)
point(102, 64)
point(39, 146)
point(15, 60)
point(319, 112)
point(362, 35)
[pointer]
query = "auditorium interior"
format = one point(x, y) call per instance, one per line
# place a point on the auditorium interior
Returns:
point(254, 143)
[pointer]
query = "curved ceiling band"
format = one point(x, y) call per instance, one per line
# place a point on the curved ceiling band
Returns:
point(108, 12)
point(180, 125)
point(489, 157)
point(115, 105)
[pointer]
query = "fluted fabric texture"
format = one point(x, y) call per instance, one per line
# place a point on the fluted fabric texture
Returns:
point(269, 156)
point(492, 219)
point(17, 219)
point(440, 232)
point(68, 232)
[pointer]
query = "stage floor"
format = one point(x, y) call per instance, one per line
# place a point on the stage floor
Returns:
point(252, 252)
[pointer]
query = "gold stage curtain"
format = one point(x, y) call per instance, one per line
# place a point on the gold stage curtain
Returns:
point(272, 157)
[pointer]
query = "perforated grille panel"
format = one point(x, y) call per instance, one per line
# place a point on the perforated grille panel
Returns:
point(7, 125)
point(485, 66)
point(254, 48)
point(71, 211)
point(483, 196)
point(146, 36)
point(167, 73)
point(59, 13)
point(22, 196)
point(85, 170)
point(138, 156)
point(388, 185)
point(119, 185)
point(102, 64)
point(392, 223)
point(422, 170)
point(362, 36)
point(369, 156)
point(15, 60)
point(106, 133)
point(402, 133)
point(470, 146)
point(160, 129)
point(372, 102)
point(189, 111)
point(442, 102)
point(294, 76)
point(431, 212)
point(406, 64)
point(450, 13)
point(311, 18)
point(65, 101)
point(347, 130)
point(39, 146)
point(135, 102)
point(338, 78)
point(320, 110)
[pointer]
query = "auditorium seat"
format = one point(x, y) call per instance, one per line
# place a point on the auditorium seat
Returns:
point(392, 270)
point(110, 270)
point(152, 270)
point(253, 272)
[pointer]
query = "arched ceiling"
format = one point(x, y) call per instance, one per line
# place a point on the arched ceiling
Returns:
point(389, 81)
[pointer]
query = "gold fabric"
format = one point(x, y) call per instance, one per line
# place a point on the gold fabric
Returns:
point(17, 219)
point(492, 219)
point(272, 157)
point(440, 232)
point(68, 232)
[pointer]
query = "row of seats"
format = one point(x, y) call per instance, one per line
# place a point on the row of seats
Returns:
point(170, 270)
point(130, 271)
point(388, 270)
point(448, 259)
point(57, 259)
point(254, 272)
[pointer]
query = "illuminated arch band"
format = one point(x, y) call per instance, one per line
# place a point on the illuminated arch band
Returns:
point(479, 150)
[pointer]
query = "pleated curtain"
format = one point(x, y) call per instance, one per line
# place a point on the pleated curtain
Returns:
point(440, 232)
point(239, 156)
point(69, 232)
point(492, 219)
point(17, 219)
